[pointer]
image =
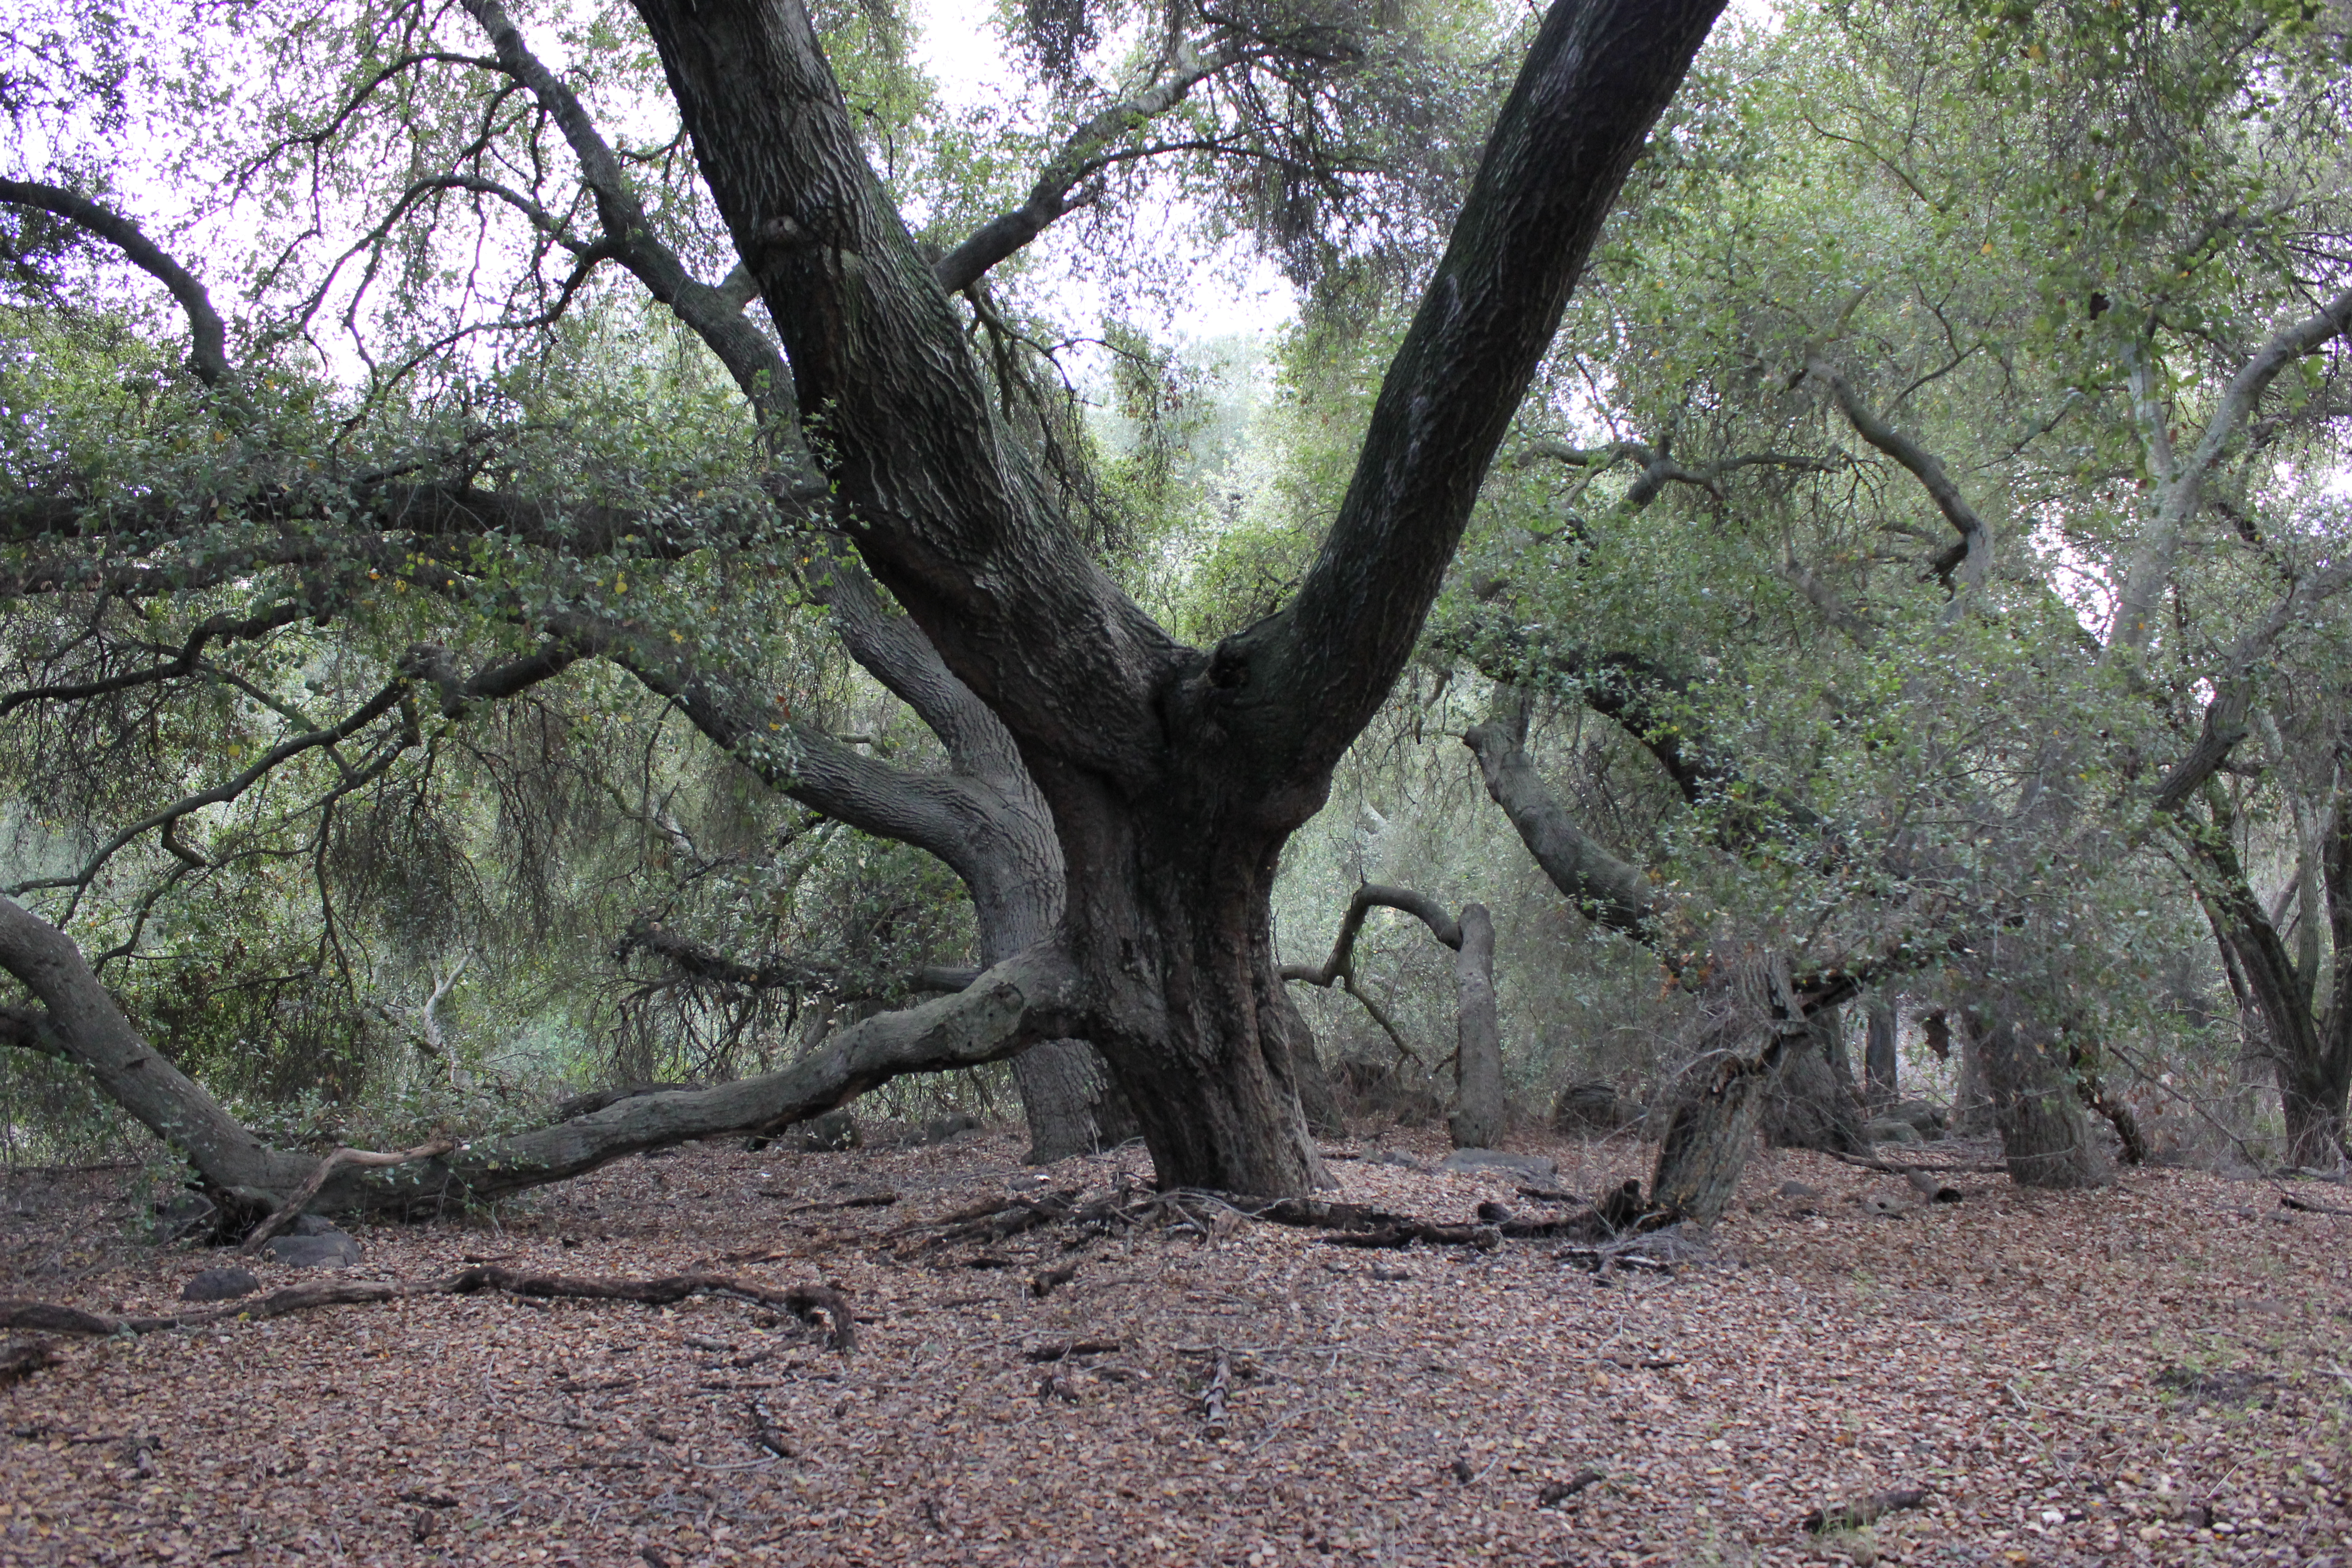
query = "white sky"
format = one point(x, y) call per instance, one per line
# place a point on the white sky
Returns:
point(959, 48)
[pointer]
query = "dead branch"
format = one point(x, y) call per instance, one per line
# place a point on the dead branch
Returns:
point(291, 1209)
point(1213, 1398)
point(2288, 1201)
point(803, 1302)
point(1891, 1168)
point(1864, 1510)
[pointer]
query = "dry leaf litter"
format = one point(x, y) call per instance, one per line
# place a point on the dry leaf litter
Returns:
point(2160, 1371)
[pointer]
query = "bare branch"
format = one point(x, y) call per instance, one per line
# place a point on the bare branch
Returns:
point(1085, 153)
point(1974, 566)
point(208, 346)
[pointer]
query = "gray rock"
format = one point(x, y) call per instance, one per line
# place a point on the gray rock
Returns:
point(220, 1285)
point(1799, 1190)
point(835, 1129)
point(189, 1217)
point(1391, 1157)
point(940, 1130)
point(1886, 1131)
point(335, 1249)
point(1530, 1166)
point(1592, 1108)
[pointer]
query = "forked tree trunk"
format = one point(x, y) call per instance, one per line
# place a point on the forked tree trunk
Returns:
point(1478, 1118)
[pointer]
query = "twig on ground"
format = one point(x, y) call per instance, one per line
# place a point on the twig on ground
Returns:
point(1213, 1398)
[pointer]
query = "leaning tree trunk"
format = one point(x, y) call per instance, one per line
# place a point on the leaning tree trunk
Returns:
point(2045, 1140)
point(1715, 1110)
point(1478, 1118)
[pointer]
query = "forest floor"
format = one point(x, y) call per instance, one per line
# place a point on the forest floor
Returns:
point(2159, 1371)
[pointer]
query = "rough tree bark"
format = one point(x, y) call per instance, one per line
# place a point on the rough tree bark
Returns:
point(1880, 1065)
point(1174, 775)
point(2045, 1140)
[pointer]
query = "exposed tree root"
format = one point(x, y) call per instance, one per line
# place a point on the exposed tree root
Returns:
point(1209, 1212)
point(805, 1302)
point(1895, 1168)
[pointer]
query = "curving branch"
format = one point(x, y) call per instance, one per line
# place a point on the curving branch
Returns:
point(1612, 891)
point(1085, 153)
point(2182, 479)
point(1972, 565)
point(1658, 469)
point(2227, 712)
point(222, 793)
point(208, 345)
point(214, 629)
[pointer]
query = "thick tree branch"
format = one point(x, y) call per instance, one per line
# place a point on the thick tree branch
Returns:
point(208, 345)
point(1608, 889)
point(2182, 492)
point(1595, 79)
point(1974, 564)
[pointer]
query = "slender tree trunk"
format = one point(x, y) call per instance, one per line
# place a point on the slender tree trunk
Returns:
point(1478, 1118)
point(1879, 1065)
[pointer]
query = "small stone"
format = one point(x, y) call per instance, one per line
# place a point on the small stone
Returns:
point(1799, 1190)
point(1531, 1166)
point(220, 1285)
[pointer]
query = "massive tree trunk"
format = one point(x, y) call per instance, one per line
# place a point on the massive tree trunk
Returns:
point(1174, 775)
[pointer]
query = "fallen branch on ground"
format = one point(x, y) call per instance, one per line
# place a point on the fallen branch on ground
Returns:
point(803, 1302)
point(1864, 1511)
point(1213, 1398)
point(2289, 1201)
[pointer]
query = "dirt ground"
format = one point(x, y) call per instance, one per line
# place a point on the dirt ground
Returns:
point(2161, 1371)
